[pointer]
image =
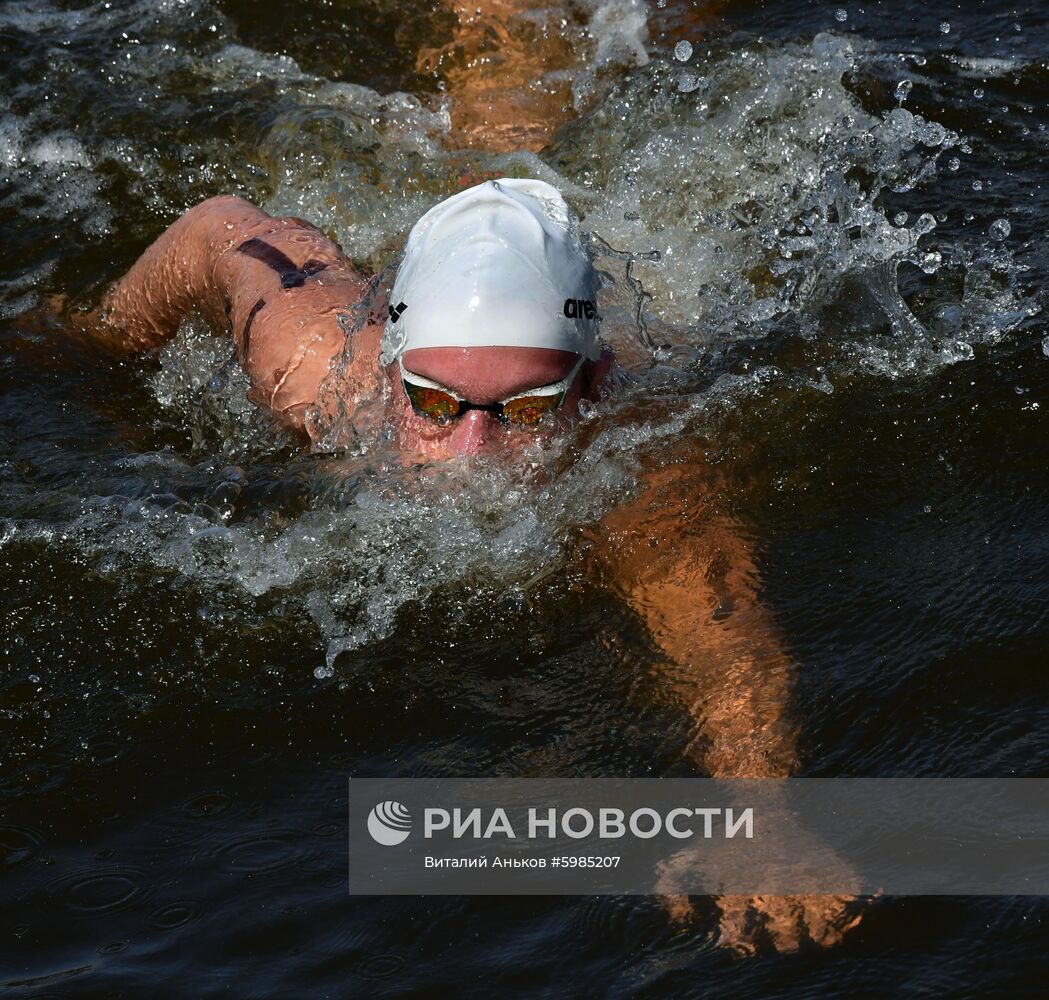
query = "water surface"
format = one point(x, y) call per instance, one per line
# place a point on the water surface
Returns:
point(207, 630)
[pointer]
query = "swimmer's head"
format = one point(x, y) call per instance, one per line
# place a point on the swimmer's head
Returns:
point(498, 265)
point(492, 335)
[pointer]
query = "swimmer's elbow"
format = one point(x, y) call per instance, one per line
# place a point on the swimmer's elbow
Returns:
point(216, 221)
point(177, 274)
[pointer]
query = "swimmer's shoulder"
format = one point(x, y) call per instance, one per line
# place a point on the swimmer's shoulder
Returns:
point(291, 249)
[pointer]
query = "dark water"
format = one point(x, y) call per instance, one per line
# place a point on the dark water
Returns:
point(205, 631)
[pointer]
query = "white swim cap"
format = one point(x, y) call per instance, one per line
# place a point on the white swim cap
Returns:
point(498, 265)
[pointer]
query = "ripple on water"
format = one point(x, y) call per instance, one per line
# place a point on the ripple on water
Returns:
point(262, 853)
point(379, 967)
point(101, 890)
point(114, 947)
point(175, 915)
point(18, 844)
point(209, 804)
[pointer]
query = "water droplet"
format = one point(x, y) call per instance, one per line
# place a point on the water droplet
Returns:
point(1045, 346)
point(978, 93)
point(683, 51)
point(931, 262)
point(945, 27)
point(34, 679)
point(841, 15)
point(1000, 229)
point(933, 134)
point(323, 672)
point(900, 219)
point(977, 185)
point(925, 224)
point(953, 163)
point(903, 88)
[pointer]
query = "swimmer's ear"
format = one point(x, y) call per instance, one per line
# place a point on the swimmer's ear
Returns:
point(597, 372)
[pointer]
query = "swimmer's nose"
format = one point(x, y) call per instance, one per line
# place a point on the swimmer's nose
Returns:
point(472, 432)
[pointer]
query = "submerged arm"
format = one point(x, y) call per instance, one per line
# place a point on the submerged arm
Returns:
point(688, 571)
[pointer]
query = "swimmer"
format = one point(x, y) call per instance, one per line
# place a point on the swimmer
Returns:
point(490, 337)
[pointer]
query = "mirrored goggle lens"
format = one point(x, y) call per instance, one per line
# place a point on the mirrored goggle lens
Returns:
point(527, 411)
point(433, 403)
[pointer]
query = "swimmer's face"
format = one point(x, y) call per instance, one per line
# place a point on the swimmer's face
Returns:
point(486, 375)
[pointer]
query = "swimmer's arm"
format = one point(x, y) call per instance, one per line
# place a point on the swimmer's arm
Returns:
point(493, 66)
point(697, 589)
point(176, 275)
point(688, 572)
point(508, 73)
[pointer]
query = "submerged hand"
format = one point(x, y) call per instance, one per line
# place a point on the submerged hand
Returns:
point(747, 922)
point(787, 921)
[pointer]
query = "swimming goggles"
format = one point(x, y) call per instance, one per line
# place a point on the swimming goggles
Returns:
point(442, 406)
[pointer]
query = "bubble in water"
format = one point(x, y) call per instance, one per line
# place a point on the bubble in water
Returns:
point(953, 163)
point(978, 93)
point(841, 15)
point(587, 409)
point(900, 218)
point(945, 27)
point(1000, 229)
point(683, 51)
point(323, 672)
point(688, 81)
point(977, 185)
point(903, 88)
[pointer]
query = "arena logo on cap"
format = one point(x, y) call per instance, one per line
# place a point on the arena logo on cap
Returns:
point(578, 308)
